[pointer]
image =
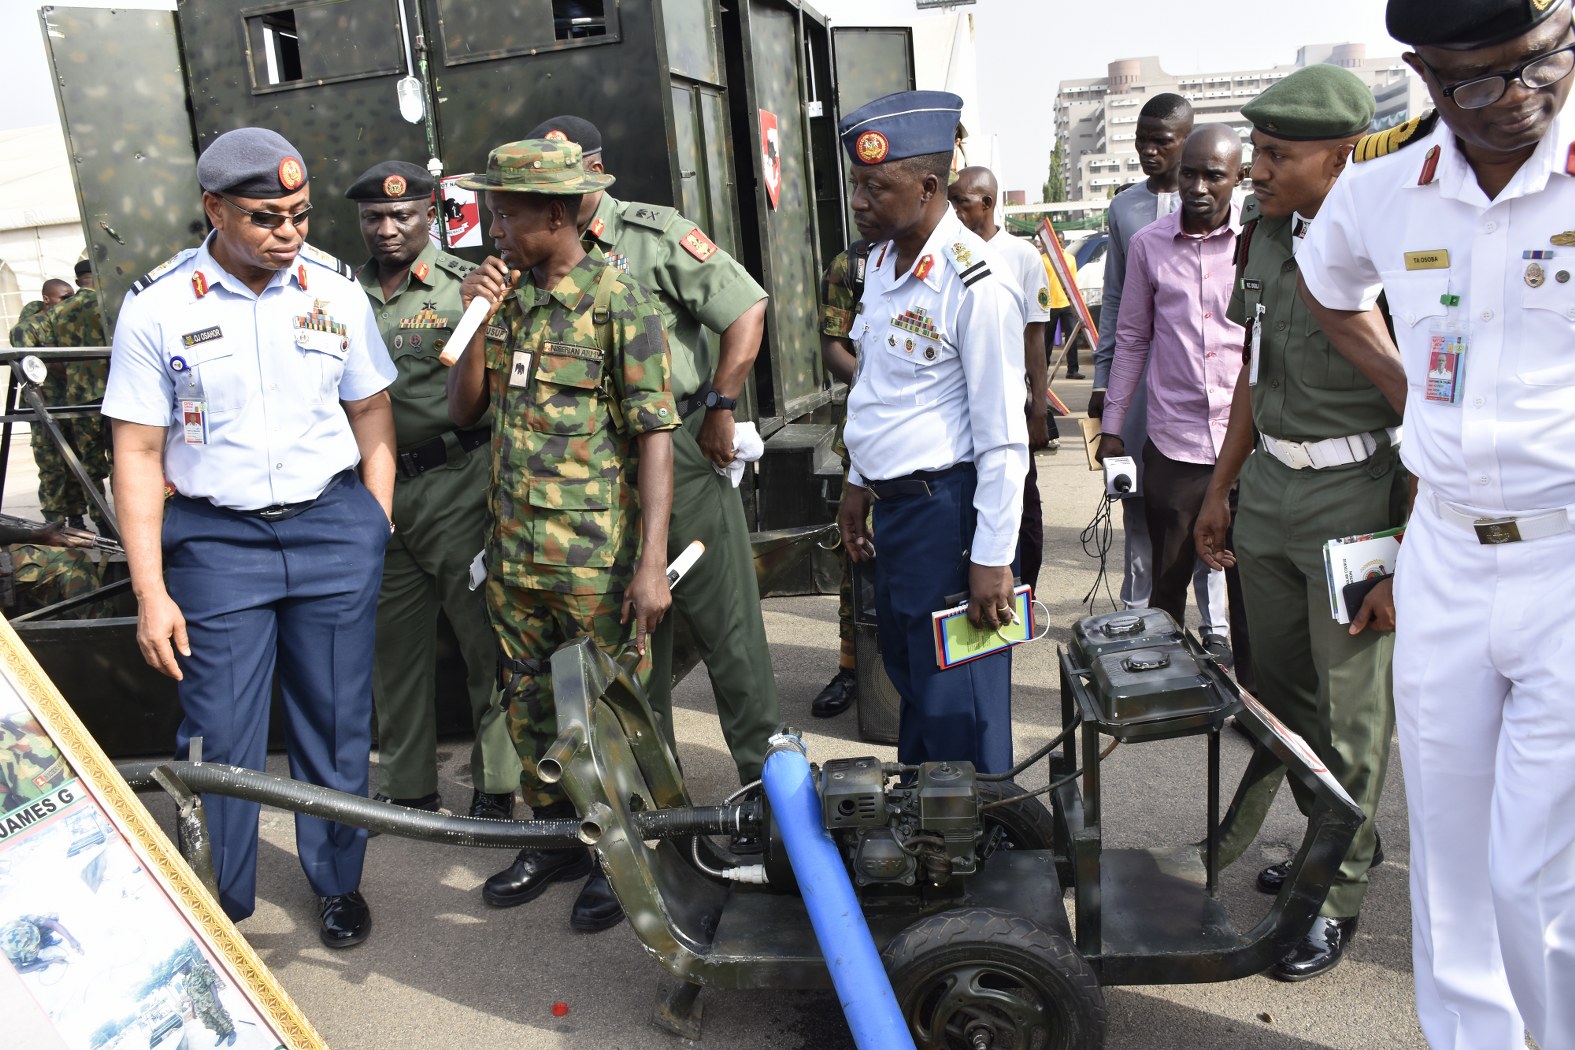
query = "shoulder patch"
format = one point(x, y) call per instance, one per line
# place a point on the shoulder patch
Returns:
point(322, 258)
point(1383, 143)
point(454, 265)
point(142, 283)
point(651, 216)
point(969, 267)
point(698, 245)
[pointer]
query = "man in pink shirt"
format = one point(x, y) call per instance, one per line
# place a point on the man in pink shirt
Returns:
point(1179, 275)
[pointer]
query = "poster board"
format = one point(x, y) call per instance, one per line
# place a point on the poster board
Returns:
point(107, 939)
point(1048, 237)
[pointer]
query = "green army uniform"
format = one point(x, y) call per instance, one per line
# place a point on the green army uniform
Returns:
point(30, 767)
point(202, 988)
point(695, 286)
point(74, 322)
point(30, 311)
point(575, 374)
point(1331, 687)
point(33, 576)
point(837, 306)
point(440, 508)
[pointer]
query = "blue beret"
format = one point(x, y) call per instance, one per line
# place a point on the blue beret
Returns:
point(907, 124)
point(251, 162)
point(1461, 25)
point(392, 180)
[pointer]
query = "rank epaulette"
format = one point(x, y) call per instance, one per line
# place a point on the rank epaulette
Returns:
point(141, 284)
point(322, 258)
point(651, 216)
point(972, 270)
point(1383, 143)
point(455, 265)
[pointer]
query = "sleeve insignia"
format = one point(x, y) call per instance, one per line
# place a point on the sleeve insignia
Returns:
point(1044, 298)
point(971, 271)
point(698, 245)
point(141, 284)
point(322, 258)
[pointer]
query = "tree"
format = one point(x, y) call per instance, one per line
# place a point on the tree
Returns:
point(1055, 182)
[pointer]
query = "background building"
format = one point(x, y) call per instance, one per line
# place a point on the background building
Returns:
point(1097, 118)
point(40, 226)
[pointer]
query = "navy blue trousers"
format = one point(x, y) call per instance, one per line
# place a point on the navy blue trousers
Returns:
point(964, 713)
point(298, 597)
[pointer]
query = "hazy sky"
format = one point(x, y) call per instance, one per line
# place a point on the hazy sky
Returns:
point(1025, 48)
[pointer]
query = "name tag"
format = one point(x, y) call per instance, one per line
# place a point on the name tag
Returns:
point(1433, 259)
point(191, 339)
point(1251, 284)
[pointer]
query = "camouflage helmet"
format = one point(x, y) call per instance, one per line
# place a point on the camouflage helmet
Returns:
point(537, 166)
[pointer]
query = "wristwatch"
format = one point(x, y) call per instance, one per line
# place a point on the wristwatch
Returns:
point(716, 400)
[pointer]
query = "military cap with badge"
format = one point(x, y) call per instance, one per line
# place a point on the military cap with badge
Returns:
point(902, 125)
point(392, 180)
point(251, 162)
point(1462, 25)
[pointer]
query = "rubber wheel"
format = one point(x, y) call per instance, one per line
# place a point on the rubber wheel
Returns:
point(986, 979)
point(1023, 825)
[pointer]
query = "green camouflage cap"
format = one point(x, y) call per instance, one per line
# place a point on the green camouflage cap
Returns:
point(1315, 102)
point(537, 166)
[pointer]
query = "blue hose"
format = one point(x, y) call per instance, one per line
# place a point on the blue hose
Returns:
point(861, 982)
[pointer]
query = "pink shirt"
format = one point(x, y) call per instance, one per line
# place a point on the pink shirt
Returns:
point(1173, 323)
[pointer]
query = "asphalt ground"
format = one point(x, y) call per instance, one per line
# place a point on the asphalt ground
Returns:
point(441, 968)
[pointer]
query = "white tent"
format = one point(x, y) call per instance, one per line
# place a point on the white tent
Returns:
point(40, 227)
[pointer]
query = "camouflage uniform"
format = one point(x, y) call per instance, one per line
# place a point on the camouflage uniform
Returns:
point(30, 767)
point(569, 397)
point(33, 576)
point(202, 988)
point(31, 310)
point(837, 306)
point(442, 517)
point(74, 322)
point(27, 943)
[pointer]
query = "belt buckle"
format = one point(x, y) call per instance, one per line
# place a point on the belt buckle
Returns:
point(1496, 530)
point(408, 465)
point(273, 513)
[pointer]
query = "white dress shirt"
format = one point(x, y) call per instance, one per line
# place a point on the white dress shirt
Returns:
point(1021, 259)
point(941, 377)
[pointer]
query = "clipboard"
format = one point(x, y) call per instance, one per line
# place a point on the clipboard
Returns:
point(957, 641)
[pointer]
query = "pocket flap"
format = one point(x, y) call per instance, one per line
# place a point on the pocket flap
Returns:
point(568, 364)
point(576, 494)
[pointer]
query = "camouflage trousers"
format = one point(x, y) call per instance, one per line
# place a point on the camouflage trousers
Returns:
point(531, 625)
point(36, 576)
point(60, 494)
point(214, 1017)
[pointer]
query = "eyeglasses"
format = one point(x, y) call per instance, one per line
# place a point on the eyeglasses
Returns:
point(270, 220)
point(1537, 73)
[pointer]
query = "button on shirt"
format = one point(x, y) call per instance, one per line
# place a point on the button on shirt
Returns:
point(1173, 323)
point(941, 379)
point(1504, 445)
point(272, 369)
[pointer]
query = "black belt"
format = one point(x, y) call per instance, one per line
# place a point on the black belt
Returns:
point(688, 406)
point(418, 459)
point(281, 511)
point(915, 484)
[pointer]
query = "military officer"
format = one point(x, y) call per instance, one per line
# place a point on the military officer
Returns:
point(574, 369)
point(1466, 228)
point(54, 291)
point(440, 502)
point(1313, 442)
point(202, 987)
point(30, 766)
point(249, 372)
point(74, 321)
point(936, 430)
point(696, 286)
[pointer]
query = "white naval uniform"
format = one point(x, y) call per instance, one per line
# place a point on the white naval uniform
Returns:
point(928, 402)
point(1484, 648)
point(1021, 259)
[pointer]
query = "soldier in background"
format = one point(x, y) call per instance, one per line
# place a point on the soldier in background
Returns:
point(74, 322)
point(41, 565)
point(84, 274)
point(202, 987)
point(575, 371)
point(30, 765)
point(696, 286)
point(440, 503)
point(54, 291)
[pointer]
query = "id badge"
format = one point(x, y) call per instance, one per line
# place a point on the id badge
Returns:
point(1256, 346)
point(1446, 365)
point(519, 371)
point(194, 420)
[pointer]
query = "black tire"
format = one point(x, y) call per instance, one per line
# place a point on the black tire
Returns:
point(971, 971)
point(1023, 825)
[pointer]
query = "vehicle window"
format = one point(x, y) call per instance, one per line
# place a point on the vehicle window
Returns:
point(479, 32)
point(322, 42)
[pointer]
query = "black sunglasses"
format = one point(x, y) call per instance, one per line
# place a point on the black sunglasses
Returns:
point(1536, 73)
point(269, 220)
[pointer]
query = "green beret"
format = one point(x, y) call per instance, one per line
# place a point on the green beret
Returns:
point(1315, 102)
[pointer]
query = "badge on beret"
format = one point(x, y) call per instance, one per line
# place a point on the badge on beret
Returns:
point(872, 147)
point(556, 136)
point(699, 245)
point(291, 174)
point(394, 186)
point(1541, 5)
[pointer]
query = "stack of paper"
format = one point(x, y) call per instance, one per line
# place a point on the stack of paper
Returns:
point(1365, 557)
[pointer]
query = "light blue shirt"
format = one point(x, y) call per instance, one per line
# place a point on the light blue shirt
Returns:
point(271, 370)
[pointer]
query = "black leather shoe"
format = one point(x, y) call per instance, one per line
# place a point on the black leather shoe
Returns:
point(490, 806)
point(1318, 952)
point(596, 908)
point(532, 872)
point(837, 697)
point(1218, 646)
point(1074, 375)
point(343, 920)
point(1270, 879)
